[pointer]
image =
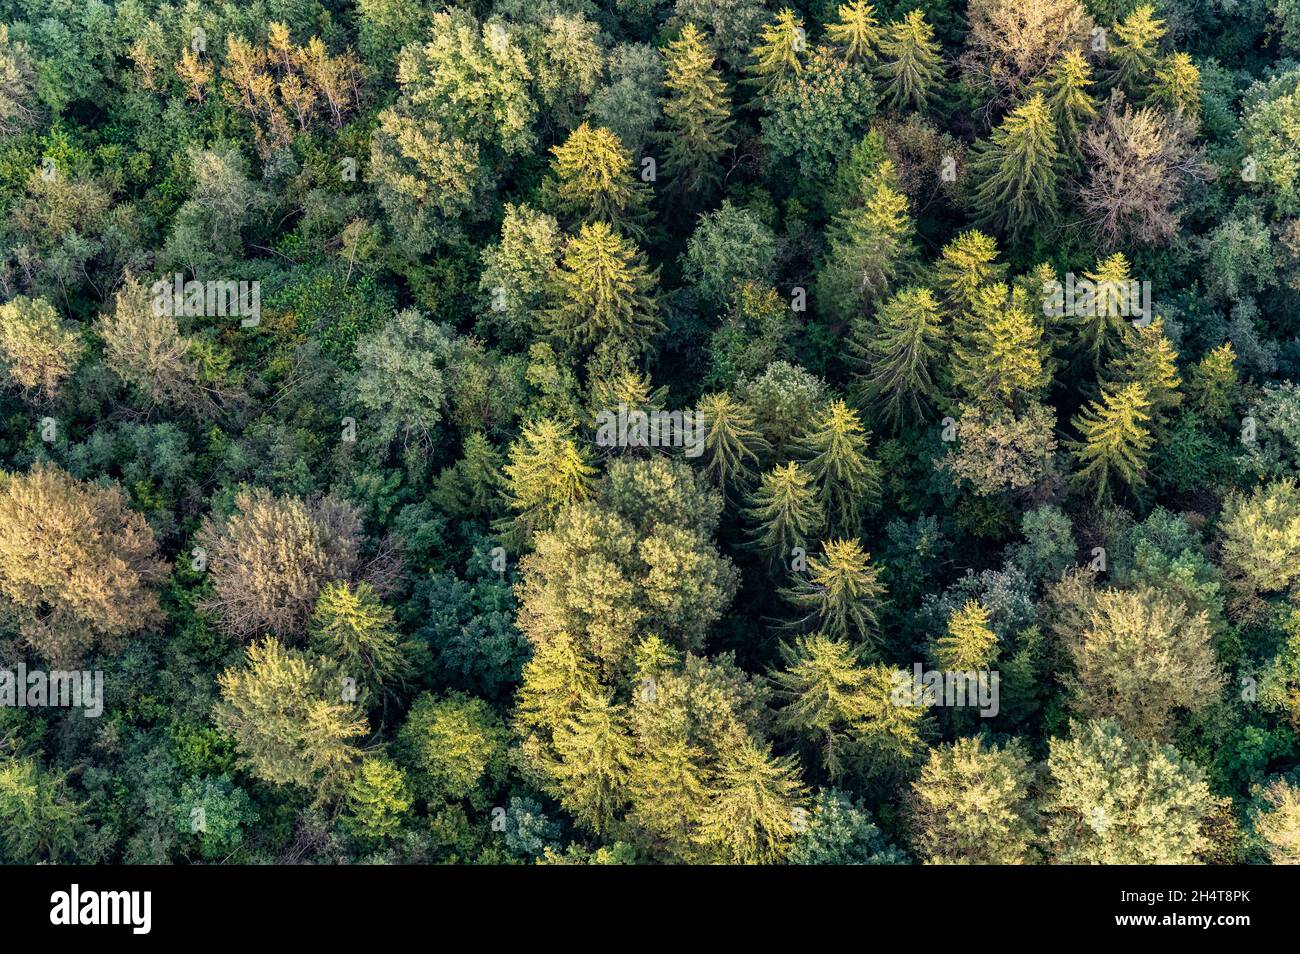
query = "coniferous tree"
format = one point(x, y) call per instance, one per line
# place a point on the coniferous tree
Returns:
point(843, 592)
point(785, 511)
point(1065, 88)
point(750, 817)
point(594, 762)
point(823, 687)
point(966, 264)
point(847, 478)
point(1100, 324)
point(1134, 51)
point(1114, 440)
point(1212, 383)
point(972, 804)
point(869, 245)
point(776, 56)
point(969, 644)
point(911, 63)
point(352, 626)
point(730, 440)
point(603, 293)
point(900, 351)
point(546, 473)
point(292, 718)
point(1152, 362)
point(1018, 170)
point(594, 179)
point(856, 32)
point(1001, 356)
point(697, 111)
point(1177, 85)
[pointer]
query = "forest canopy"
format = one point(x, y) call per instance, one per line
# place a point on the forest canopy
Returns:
point(650, 431)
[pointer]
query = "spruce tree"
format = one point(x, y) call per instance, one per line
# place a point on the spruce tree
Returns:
point(911, 63)
point(900, 350)
point(869, 245)
point(1134, 51)
point(1101, 327)
point(1018, 170)
point(603, 293)
point(594, 178)
point(847, 478)
point(697, 112)
point(969, 643)
point(785, 510)
point(1177, 85)
point(1073, 108)
point(546, 473)
point(966, 264)
point(856, 32)
point(1152, 362)
point(750, 817)
point(823, 688)
point(1212, 383)
point(730, 440)
point(842, 593)
point(1000, 357)
point(593, 763)
point(1115, 440)
point(776, 56)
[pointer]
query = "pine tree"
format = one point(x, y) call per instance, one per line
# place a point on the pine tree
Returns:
point(847, 478)
point(547, 472)
point(1177, 85)
point(1018, 170)
point(1134, 52)
point(594, 180)
point(697, 112)
point(604, 292)
point(842, 593)
point(1000, 356)
point(784, 505)
point(1115, 440)
point(1073, 108)
point(856, 32)
point(900, 350)
point(911, 63)
point(750, 818)
point(969, 643)
point(966, 264)
point(730, 440)
point(776, 55)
